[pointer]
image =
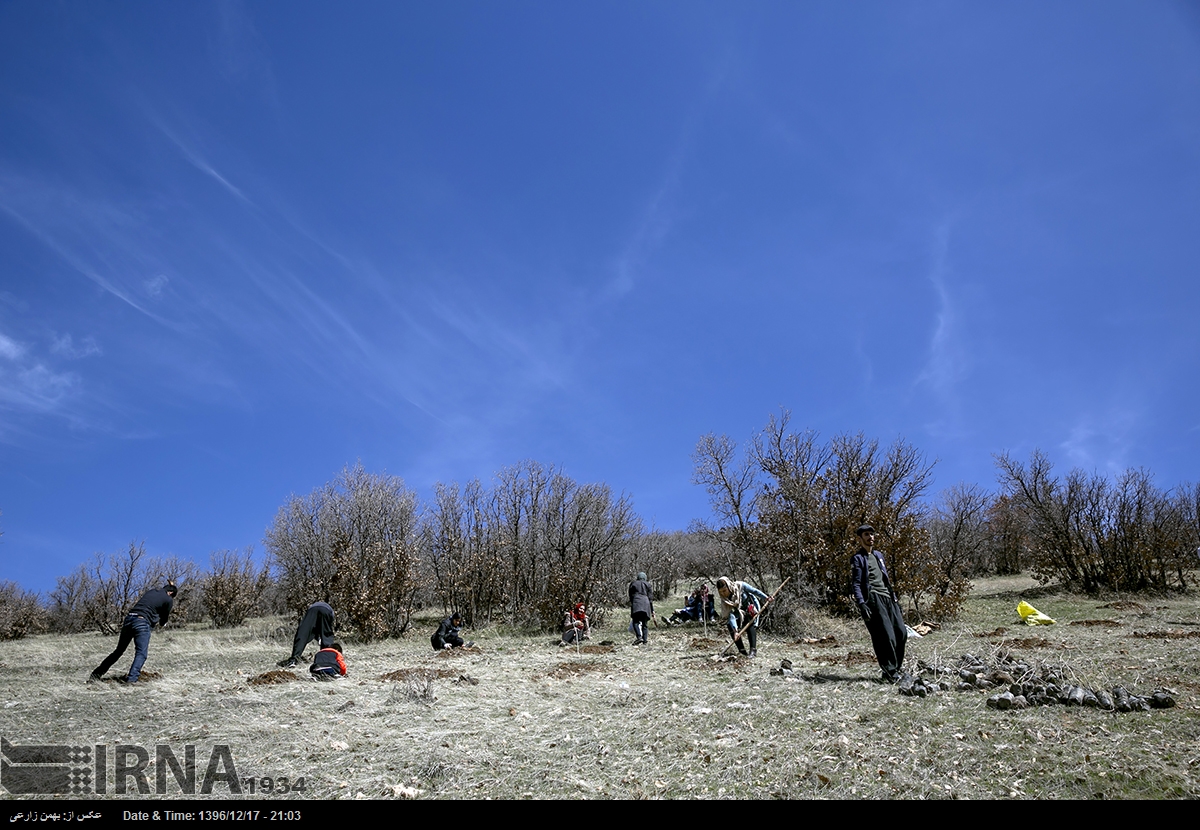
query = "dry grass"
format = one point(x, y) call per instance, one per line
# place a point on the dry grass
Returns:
point(520, 718)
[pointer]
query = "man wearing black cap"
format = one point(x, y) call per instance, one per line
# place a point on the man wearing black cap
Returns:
point(316, 625)
point(879, 605)
point(152, 609)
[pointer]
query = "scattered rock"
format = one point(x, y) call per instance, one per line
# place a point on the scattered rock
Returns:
point(1161, 699)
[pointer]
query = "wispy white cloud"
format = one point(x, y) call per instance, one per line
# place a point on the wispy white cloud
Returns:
point(948, 363)
point(196, 160)
point(155, 285)
point(65, 346)
point(10, 348)
point(28, 385)
point(1102, 440)
point(75, 228)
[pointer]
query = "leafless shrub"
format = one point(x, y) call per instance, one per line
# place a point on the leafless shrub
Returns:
point(534, 545)
point(353, 544)
point(957, 528)
point(233, 587)
point(790, 505)
point(1095, 533)
point(98, 594)
point(21, 612)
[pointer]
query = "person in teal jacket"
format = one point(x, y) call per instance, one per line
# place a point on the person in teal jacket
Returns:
point(741, 602)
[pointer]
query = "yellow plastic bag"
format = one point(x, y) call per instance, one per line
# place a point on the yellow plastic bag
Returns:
point(1031, 615)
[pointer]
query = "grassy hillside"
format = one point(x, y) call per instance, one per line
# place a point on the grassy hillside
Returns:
point(520, 717)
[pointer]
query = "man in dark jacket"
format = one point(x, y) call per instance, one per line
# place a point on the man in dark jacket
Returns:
point(316, 625)
point(878, 604)
point(641, 608)
point(447, 634)
point(154, 608)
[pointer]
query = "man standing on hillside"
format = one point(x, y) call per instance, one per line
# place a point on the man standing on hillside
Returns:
point(316, 625)
point(879, 605)
point(152, 609)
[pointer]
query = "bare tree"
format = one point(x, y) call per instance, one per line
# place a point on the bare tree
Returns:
point(21, 612)
point(1092, 532)
point(233, 587)
point(352, 543)
point(531, 547)
point(799, 518)
point(958, 535)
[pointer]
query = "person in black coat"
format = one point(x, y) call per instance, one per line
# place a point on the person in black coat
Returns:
point(879, 606)
point(641, 608)
point(317, 624)
point(447, 634)
point(153, 608)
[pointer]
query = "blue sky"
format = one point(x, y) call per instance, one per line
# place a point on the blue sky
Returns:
point(245, 244)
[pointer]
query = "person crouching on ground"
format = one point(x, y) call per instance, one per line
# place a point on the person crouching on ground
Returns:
point(576, 626)
point(447, 634)
point(328, 663)
point(153, 608)
point(878, 604)
point(741, 602)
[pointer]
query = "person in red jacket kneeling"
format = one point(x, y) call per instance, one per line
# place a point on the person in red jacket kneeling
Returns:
point(328, 664)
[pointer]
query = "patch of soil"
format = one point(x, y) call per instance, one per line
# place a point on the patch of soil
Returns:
point(574, 668)
point(999, 632)
point(149, 675)
point(827, 641)
point(272, 677)
point(734, 662)
point(448, 653)
point(1169, 634)
point(1105, 623)
point(705, 643)
point(1124, 605)
point(1026, 642)
point(597, 649)
point(418, 674)
point(852, 658)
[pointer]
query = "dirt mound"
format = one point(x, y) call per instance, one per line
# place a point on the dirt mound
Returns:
point(999, 632)
point(1124, 605)
point(450, 653)
point(574, 668)
point(1104, 623)
point(146, 676)
point(597, 649)
point(1169, 634)
point(853, 658)
point(1026, 642)
point(418, 674)
point(705, 643)
point(827, 641)
point(272, 677)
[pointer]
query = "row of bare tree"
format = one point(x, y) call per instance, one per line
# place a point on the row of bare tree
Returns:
point(788, 505)
point(531, 544)
point(519, 552)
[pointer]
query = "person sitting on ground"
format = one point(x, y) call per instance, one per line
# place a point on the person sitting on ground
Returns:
point(447, 635)
point(317, 624)
point(576, 625)
point(328, 663)
point(697, 603)
point(742, 602)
